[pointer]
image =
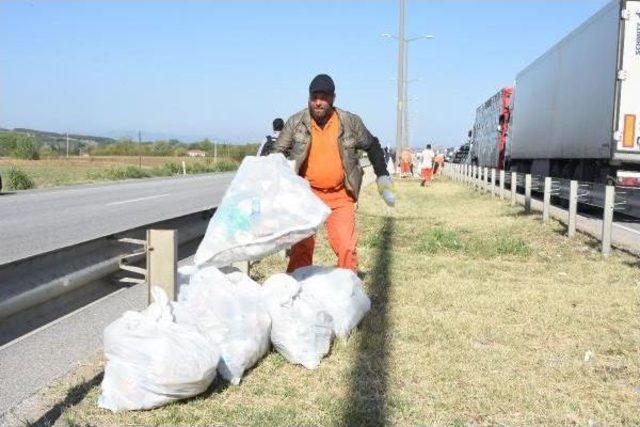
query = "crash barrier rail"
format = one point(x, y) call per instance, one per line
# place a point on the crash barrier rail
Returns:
point(505, 185)
point(41, 288)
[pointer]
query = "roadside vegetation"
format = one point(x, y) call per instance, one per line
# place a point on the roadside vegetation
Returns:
point(59, 172)
point(17, 179)
point(480, 315)
point(40, 158)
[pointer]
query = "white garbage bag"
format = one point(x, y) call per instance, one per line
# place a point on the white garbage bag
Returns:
point(151, 360)
point(228, 311)
point(266, 208)
point(341, 293)
point(301, 329)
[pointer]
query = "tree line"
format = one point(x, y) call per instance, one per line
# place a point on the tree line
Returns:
point(27, 146)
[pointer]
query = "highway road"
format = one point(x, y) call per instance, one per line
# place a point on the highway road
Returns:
point(39, 221)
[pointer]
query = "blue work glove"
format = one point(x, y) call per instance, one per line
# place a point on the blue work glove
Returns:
point(384, 188)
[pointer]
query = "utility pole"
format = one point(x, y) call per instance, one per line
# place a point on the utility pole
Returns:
point(401, 119)
point(67, 145)
point(401, 83)
point(405, 99)
point(140, 149)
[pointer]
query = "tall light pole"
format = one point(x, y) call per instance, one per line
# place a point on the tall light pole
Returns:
point(401, 123)
point(401, 82)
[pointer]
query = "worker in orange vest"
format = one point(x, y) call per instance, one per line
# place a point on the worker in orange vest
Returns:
point(438, 163)
point(323, 142)
point(406, 162)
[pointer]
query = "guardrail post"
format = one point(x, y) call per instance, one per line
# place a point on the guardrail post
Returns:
point(474, 176)
point(485, 183)
point(502, 184)
point(527, 193)
point(607, 218)
point(493, 182)
point(514, 187)
point(162, 261)
point(546, 205)
point(573, 207)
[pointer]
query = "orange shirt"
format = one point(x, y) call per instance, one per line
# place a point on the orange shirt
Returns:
point(323, 167)
point(406, 156)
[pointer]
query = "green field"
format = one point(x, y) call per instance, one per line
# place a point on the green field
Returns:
point(481, 315)
point(82, 170)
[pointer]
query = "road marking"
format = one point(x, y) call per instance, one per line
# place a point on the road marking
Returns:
point(626, 228)
point(122, 202)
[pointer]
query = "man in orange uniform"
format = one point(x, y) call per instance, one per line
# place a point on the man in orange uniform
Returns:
point(406, 161)
point(324, 142)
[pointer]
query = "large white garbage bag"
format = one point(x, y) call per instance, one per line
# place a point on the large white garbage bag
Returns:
point(266, 208)
point(228, 311)
point(301, 329)
point(151, 360)
point(341, 293)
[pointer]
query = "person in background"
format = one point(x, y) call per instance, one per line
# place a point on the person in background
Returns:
point(387, 155)
point(323, 142)
point(391, 167)
point(269, 141)
point(427, 166)
point(406, 161)
point(438, 163)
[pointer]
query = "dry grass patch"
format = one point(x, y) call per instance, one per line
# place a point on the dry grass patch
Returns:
point(55, 172)
point(480, 315)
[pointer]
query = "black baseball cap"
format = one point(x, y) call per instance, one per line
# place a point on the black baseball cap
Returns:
point(322, 83)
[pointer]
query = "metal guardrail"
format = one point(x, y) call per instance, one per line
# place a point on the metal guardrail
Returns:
point(30, 283)
point(575, 192)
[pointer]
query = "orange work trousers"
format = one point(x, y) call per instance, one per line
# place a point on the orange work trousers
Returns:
point(426, 175)
point(341, 229)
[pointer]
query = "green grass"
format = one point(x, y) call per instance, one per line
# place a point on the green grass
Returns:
point(480, 316)
point(54, 172)
point(17, 179)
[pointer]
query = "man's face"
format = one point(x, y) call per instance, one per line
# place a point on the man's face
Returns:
point(321, 105)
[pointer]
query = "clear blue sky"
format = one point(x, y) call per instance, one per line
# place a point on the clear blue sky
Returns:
point(226, 69)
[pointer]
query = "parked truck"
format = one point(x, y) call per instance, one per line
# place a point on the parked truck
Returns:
point(489, 134)
point(575, 109)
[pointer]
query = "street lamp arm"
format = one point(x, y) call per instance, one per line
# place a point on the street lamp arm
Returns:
point(426, 37)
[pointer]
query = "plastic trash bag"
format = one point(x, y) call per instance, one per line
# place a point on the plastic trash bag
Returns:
point(266, 208)
point(228, 311)
point(151, 360)
point(301, 329)
point(341, 293)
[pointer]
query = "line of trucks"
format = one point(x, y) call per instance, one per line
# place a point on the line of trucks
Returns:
point(574, 113)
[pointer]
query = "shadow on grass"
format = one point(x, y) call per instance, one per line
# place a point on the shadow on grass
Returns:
point(74, 396)
point(367, 395)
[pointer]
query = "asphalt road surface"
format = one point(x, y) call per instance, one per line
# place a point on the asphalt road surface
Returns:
point(39, 221)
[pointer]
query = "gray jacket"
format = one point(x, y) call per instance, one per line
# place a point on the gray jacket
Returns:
point(295, 140)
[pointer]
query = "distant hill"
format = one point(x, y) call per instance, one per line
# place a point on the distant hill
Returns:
point(47, 137)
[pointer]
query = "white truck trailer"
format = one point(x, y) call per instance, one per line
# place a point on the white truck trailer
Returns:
point(575, 111)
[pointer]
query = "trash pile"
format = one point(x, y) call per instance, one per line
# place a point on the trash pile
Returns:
point(224, 322)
